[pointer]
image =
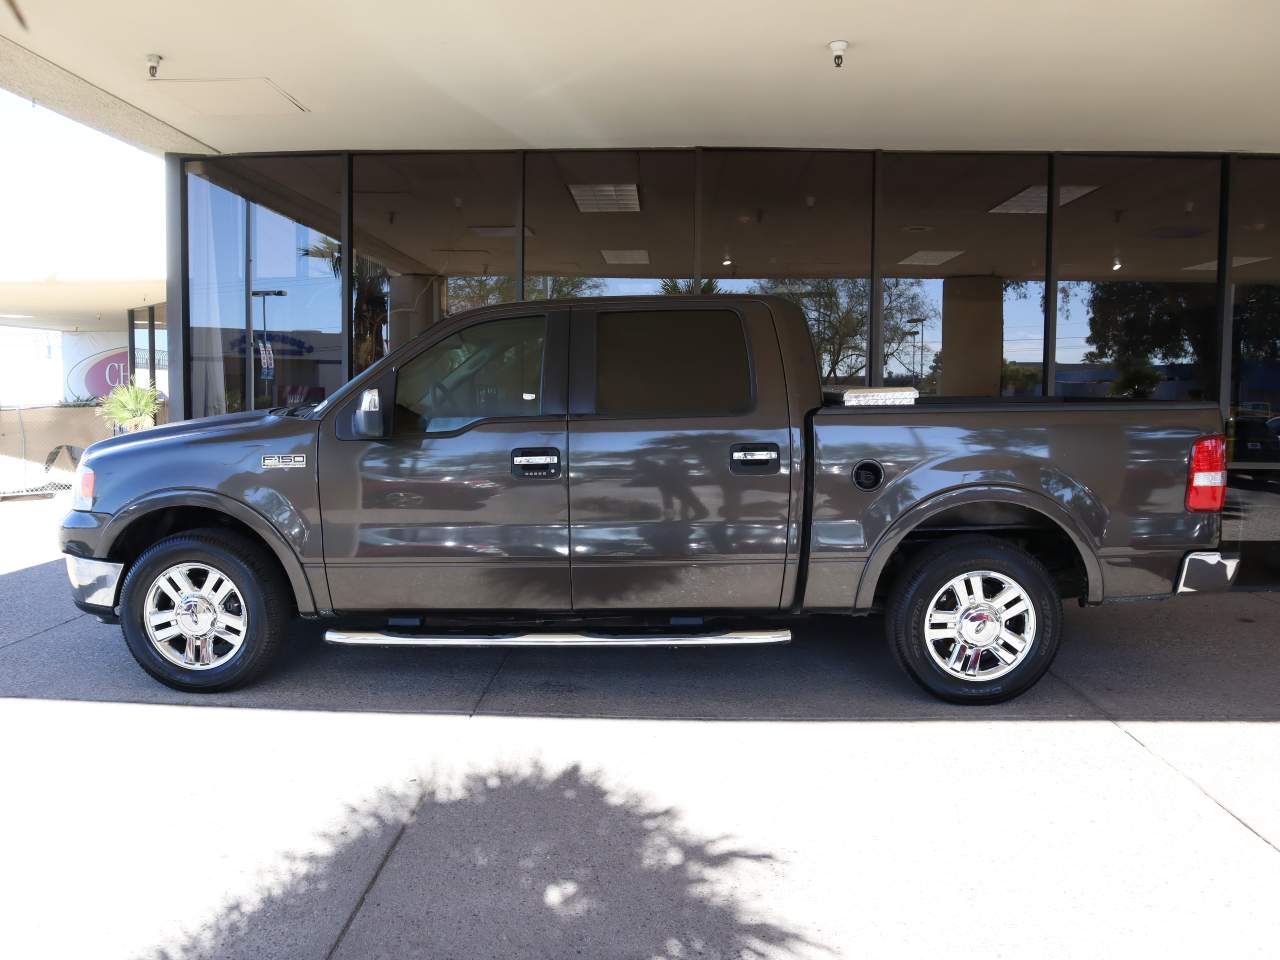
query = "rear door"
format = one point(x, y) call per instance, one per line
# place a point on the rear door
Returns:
point(464, 506)
point(679, 458)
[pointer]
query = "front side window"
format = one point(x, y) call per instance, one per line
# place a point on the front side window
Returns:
point(493, 369)
point(671, 363)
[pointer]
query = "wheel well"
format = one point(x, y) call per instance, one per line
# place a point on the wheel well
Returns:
point(153, 527)
point(1027, 528)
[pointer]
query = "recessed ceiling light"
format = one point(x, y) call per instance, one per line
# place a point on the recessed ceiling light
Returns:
point(618, 257)
point(1035, 199)
point(1116, 264)
point(917, 228)
point(726, 262)
point(498, 231)
point(606, 197)
point(1235, 262)
point(929, 258)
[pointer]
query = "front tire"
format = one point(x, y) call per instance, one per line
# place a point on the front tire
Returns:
point(204, 611)
point(975, 620)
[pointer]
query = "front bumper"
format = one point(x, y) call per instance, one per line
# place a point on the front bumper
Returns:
point(1207, 571)
point(94, 584)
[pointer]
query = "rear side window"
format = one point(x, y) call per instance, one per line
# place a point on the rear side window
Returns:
point(659, 363)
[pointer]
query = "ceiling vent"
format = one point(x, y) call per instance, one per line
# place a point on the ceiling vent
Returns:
point(1035, 199)
point(929, 258)
point(625, 257)
point(606, 197)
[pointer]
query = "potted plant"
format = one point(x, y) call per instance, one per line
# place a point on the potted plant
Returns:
point(130, 407)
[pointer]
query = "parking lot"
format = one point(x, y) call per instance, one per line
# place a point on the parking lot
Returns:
point(803, 801)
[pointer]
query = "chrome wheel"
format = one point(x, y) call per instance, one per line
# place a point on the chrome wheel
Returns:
point(980, 625)
point(195, 616)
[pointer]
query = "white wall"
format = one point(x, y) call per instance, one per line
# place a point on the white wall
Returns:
point(30, 367)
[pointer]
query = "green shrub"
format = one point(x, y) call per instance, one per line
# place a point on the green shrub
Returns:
point(131, 407)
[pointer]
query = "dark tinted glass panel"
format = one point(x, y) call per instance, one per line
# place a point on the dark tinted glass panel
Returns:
point(434, 235)
point(654, 363)
point(1252, 517)
point(264, 274)
point(612, 222)
point(217, 265)
point(961, 248)
point(1136, 250)
point(796, 224)
point(489, 370)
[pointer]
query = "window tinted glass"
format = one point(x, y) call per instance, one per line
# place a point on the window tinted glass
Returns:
point(671, 363)
point(608, 222)
point(489, 370)
point(961, 247)
point(1137, 251)
point(795, 224)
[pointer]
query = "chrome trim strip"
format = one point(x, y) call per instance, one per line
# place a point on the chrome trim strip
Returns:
point(529, 460)
point(93, 581)
point(1207, 559)
point(376, 638)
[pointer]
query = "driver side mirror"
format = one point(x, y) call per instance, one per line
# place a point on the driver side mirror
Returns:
point(367, 422)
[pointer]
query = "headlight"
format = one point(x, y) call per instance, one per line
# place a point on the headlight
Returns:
point(82, 489)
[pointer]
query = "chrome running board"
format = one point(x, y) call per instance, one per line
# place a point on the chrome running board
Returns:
point(378, 638)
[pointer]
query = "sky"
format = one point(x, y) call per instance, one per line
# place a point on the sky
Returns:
point(75, 204)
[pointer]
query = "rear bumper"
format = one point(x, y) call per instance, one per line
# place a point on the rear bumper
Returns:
point(94, 584)
point(1207, 571)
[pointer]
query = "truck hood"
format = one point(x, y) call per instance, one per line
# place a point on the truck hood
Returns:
point(219, 427)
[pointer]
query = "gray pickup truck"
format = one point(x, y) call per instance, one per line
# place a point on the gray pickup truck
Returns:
point(640, 471)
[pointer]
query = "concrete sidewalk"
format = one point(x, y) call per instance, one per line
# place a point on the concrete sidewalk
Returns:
point(802, 801)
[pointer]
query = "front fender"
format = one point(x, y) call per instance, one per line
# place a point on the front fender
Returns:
point(893, 536)
point(207, 499)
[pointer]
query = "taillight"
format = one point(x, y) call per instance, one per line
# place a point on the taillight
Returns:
point(1207, 475)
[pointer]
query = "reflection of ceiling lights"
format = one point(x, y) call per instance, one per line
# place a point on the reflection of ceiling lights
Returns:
point(15, 316)
point(498, 231)
point(606, 197)
point(617, 257)
point(1235, 262)
point(1035, 199)
point(929, 258)
point(917, 228)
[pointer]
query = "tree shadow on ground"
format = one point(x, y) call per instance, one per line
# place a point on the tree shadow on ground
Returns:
point(518, 864)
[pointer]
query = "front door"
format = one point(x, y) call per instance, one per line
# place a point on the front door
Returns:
point(680, 459)
point(464, 506)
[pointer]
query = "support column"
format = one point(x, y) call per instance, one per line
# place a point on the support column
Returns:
point(972, 336)
point(415, 304)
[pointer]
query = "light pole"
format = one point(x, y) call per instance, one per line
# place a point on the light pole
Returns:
point(268, 370)
point(919, 323)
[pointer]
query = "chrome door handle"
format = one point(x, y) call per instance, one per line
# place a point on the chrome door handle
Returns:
point(535, 463)
point(755, 456)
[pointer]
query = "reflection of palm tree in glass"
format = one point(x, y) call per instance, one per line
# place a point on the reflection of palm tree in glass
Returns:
point(673, 287)
point(370, 286)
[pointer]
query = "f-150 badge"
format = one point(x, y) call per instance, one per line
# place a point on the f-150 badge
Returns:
point(283, 461)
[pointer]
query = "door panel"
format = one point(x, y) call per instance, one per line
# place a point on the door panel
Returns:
point(464, 506)
point(662, 513)
point(443, 523)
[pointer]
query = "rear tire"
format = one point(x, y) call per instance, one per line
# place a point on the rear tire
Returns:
point(975, 619)
point(204, 611)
